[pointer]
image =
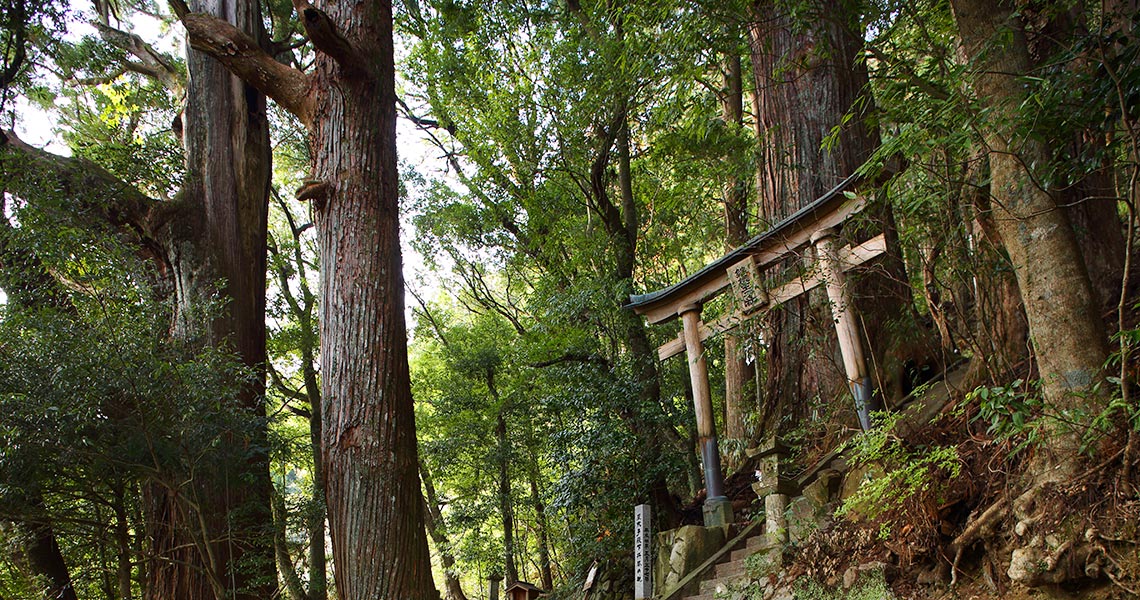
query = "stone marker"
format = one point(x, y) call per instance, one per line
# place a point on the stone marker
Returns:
point(642, 553)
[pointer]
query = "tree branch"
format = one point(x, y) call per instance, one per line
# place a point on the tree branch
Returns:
point(325, 37)
point(27, 171)
point(244, 58)
point(595, 359)
point(152, 62)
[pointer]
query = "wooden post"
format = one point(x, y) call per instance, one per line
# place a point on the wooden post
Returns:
point(717, 509)
point(843, 312)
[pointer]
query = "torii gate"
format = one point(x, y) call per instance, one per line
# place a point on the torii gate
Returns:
point(814, 225)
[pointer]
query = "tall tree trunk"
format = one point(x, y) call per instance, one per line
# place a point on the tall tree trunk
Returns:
point(290, 579)
point(318, 560)
point(369, 437)
point(506, 502)
point(807, 81)
point(302, 304)
point(1090, 201)
point(435, 528)
point(542, 529)
point(1064, 317)
point(220, 544)
point(737, 371)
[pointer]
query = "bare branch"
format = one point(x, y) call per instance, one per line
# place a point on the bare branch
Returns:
point(427, 313)
point(423, 122)
point(244, 58)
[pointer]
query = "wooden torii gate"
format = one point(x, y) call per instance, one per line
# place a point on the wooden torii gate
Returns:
point(812, 226)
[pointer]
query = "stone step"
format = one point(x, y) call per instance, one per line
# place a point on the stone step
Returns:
point(758, 540)
point(730, 568)
point(743, 553)
point(721, 584)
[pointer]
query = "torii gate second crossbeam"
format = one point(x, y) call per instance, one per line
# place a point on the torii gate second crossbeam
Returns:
point(814, 225)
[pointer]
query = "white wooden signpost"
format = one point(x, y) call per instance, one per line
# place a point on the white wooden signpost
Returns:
point(642, 553)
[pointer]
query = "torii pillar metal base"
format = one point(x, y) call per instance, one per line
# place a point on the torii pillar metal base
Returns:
point(843, 312)
point(717, 508)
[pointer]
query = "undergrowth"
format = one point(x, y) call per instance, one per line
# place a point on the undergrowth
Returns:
point(896, 471)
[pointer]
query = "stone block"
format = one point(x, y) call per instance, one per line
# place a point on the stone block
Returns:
point(681, 550)
point(803, 518)
point(717, 512)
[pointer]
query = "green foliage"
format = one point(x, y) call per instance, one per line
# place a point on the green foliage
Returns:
point(1011, 411)
point(894, 471)
point(872, 585)
point(96, 401)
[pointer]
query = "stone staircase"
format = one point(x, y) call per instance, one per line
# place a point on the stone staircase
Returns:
point(729, 574)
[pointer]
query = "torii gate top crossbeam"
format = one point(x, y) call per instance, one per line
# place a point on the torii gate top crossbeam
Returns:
point(829, 210)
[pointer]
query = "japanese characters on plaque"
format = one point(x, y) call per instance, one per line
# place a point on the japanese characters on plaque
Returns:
point(745, 278)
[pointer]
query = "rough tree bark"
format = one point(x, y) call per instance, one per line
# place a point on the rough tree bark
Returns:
point(1064, 315)
point(220, 544)
point(808, 80)
point(369, 447)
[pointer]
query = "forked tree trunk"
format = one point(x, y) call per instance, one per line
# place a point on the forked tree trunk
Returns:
point(348, 104)
point(1064, 316)
point(219, 543)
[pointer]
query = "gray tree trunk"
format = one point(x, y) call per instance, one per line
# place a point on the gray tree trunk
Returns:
point(1064, 316)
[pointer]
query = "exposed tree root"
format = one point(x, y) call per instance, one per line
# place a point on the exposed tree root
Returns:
point(984, 525)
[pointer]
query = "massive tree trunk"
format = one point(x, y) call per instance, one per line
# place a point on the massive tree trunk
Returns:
point(371, 466)
point(1064, 316)
point(369, 450)
point(219, 544)
point(808, 81)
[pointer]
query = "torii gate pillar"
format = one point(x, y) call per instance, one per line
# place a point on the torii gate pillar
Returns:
point(717, 508)
point(843, 313)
